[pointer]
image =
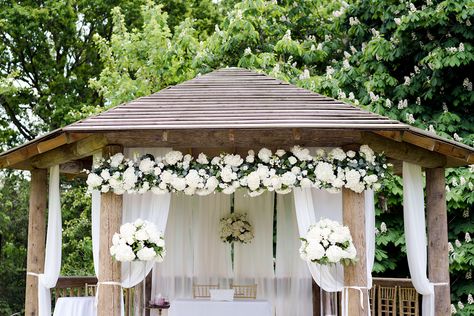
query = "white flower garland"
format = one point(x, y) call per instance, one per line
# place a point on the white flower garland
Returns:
point(279, 171)
point(328, 242)
point(236, 227)
point(138, 241)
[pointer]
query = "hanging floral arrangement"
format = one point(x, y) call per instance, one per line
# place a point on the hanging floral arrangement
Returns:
point(278, 171)
point(236, 227)
point(328, 242)
point(138, 241)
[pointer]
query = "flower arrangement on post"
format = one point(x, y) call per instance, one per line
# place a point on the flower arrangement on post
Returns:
point(278, 171)
point(138, 241)
point(328, 242)
point(236, 228)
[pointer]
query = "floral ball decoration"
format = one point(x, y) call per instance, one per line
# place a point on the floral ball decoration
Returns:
point(261, 171)
point(328, 242)
point(236, 228)
point(138, 241)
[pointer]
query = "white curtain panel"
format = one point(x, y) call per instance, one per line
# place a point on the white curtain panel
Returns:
point(52, 261)
point(212, 258)
point(253, 262)
point(415, 234)
point(370, 233)
point(149, 206)
point(293, 279)
point(311, 205)
point(174, 277)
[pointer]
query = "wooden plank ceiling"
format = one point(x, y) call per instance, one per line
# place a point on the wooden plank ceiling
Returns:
point(234, 98)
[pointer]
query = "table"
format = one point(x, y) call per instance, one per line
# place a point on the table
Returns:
point(75, 306)
point(160, 308)
point(217, 308)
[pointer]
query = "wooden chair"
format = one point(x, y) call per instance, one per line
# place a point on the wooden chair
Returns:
point(408, 302)
point(202, 290)
point(372, 299)
point(245, 291)
point(387, 301)
point(90, 289)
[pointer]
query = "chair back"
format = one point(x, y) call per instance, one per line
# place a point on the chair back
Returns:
point(408, 302)
point(202, 290)
point(90, 289)
point(372, 299)
point(245, 291)
point(387, 301)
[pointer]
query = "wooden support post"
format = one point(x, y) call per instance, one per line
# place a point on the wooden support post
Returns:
point(437, 226)
point(353, 205)
point(109, 269)
point(36, 237)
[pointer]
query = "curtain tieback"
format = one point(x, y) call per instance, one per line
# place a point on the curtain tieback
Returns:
point(345, 295)
point(109, 283)
point(440, 284)
point(33, 274)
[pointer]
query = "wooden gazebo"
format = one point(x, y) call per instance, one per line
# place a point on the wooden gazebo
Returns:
point(234, 110)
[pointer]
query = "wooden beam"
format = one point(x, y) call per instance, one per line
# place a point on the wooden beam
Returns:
point(404, 151)
point(437, 226)
point(109, 269)
point(420, 141)
point(75, 167)
point(395, 135)
point(80, 149)
point(36, 237)
point(353, 205)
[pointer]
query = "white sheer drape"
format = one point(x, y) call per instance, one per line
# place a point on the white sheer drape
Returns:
point(293, 279)
point(311, 205)
point(174, 277)
point(370, 234)
point(52, 261)
point(415, 234)
point(253, 262)
point(212, 258)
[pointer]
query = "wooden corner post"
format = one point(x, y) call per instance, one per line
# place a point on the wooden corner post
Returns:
point(109, 269)
point(355, 275)
point(36, 237)
point(437, 227)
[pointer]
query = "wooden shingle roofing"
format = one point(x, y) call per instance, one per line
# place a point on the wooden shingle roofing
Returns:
point(237, 107)
point(234, 98)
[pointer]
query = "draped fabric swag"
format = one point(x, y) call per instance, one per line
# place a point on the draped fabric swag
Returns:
point(415, 234)
point(52, 260)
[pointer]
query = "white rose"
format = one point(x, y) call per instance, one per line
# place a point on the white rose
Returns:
point(139, 222)
point(338, 154)
point(334, 254)
point(127, 232)
point(229, 190)
point(192, 179)
point(263, 171)
point(255, 193)
point(301, 153)
point(264, 155)
point(314, 251)
point(324, 172)
point(371, 179)
point(280, 152)
point(105, 174)
point(351, 154)
point(141, 234)
point(116, 160)
point(233, 160)
point(173, 157)
point(227, 175)
point(123, 253)
point(292, 160)
point(93, 180)
point(288, 178)
point(146, 165)
point(352, 178)
point(146, 254)
point(202, 159)
point(212, 183)
point(178, 183)
point(129, 178)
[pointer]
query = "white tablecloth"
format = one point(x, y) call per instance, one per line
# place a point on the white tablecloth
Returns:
point(214, 308)
point(75, 306)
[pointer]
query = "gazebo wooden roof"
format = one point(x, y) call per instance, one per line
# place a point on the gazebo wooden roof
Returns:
point(236, 108)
